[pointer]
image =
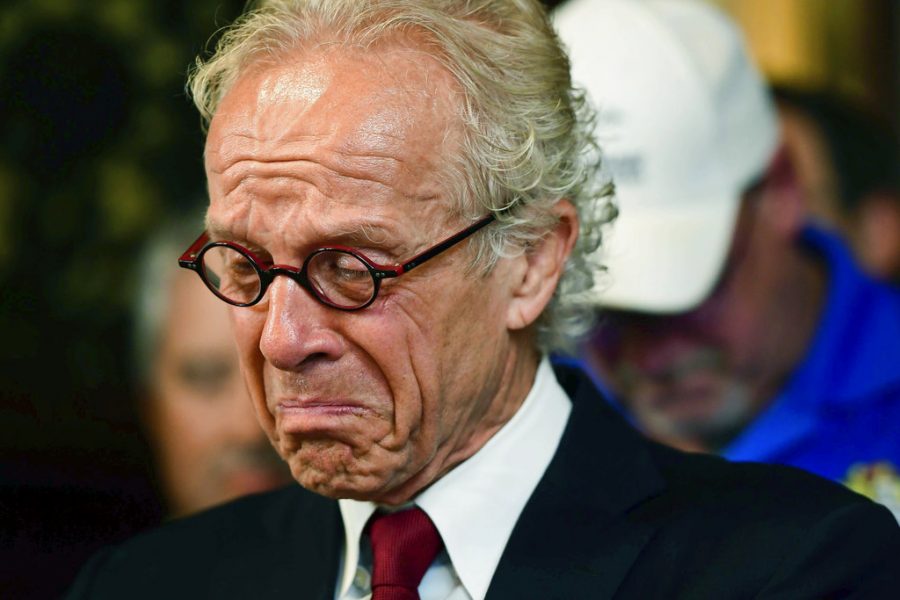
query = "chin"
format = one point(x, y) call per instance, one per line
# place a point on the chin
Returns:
point(341, 486)
point(713, 420)
point(330, 469)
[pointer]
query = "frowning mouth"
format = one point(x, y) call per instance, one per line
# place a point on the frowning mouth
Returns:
point(319, 407)
point(319, 417)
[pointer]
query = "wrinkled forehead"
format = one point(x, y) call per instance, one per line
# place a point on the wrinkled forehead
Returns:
point(393, 101)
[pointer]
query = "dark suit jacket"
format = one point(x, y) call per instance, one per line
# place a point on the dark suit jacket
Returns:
point(614, 516)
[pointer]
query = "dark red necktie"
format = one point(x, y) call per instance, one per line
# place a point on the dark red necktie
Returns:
point(404, 544)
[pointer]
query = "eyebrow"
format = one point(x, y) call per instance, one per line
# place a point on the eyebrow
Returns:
point(364, 232)
point(352, 234)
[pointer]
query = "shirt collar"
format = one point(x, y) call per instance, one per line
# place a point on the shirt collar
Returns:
point(476, 505)
point(355, 515)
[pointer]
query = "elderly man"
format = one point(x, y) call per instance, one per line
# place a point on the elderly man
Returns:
point(732, 323)
point(403, 194)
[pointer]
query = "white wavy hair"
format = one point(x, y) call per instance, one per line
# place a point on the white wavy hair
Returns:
point(527, 133)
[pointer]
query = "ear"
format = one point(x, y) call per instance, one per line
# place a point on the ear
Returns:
point(878, 233)
point(540, 267)
point(783, 203)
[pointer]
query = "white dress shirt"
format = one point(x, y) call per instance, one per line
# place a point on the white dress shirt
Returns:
point(475, 506)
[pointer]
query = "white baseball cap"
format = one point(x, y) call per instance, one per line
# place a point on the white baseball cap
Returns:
point(686, 124)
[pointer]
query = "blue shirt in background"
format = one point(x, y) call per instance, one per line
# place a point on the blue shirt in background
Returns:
point(838, 415)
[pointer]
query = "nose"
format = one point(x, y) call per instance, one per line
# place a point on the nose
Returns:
point(297, 330)
point(650, 343)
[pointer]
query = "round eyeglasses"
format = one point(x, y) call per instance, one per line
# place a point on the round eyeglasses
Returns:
point(336, 276)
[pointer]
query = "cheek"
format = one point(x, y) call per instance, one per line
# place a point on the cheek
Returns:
point(409, 346)
point(449, 355)
point(397, 345)
point(738, 326)
point(247, 325)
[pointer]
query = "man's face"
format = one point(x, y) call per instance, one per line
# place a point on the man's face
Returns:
point(209, 447)
point(695, 379)
point(347, 147)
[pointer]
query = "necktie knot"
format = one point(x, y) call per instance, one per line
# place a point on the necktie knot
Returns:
point(404, 544)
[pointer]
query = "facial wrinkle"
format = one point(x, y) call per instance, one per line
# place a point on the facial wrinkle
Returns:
point(368, 149)
point(265, 180)
point(340, 178)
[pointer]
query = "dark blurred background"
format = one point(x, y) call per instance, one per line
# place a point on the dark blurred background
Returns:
point(98, 143)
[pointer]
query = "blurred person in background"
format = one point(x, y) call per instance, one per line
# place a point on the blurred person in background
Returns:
point(207, 444)
point(731, 323)
point(848, 163)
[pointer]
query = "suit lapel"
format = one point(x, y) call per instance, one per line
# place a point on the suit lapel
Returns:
point(313, 566)
point(297, 555)
point(575, 522)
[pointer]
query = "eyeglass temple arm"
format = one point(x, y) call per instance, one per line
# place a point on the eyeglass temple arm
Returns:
point(450, 241)
point(188, 260)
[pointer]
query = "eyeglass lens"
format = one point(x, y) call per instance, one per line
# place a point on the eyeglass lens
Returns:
point(231, 274)
point(335, 276)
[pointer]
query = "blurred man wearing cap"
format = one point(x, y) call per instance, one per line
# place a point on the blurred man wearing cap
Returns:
point(731, 324)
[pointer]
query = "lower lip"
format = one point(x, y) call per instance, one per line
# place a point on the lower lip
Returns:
point(295, 418)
